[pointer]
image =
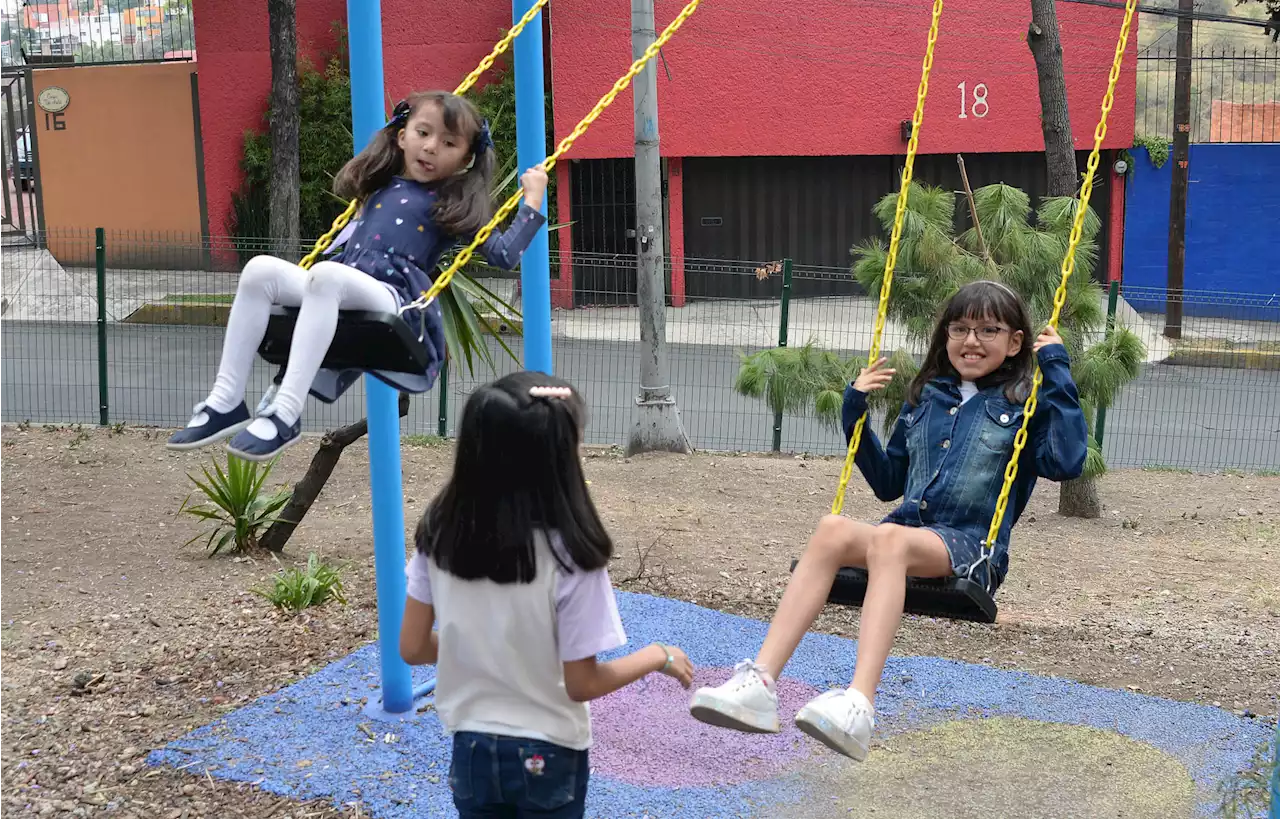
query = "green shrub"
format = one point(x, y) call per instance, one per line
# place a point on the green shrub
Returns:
point(297, 589)
point(324, 146)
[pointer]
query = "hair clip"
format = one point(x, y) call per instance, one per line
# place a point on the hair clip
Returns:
point(484, 139)
point(399, 114)
point(550, 392)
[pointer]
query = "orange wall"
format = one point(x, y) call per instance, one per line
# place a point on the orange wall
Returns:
point(126, 160)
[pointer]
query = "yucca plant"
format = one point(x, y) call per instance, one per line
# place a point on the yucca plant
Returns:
point(295, 589)
point(234, 504)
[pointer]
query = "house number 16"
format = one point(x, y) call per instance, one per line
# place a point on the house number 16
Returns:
point(979, 108)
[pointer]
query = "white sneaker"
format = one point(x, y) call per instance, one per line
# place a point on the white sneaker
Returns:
point(744, 703)
point(842, 720)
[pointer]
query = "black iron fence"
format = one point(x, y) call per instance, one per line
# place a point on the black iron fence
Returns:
point(1235, 94)
point(57, 32)
point(133, 335)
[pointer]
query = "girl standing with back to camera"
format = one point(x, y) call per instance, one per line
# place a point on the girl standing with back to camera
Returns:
point(511, 562)
point(946, 459)
point(423, 183)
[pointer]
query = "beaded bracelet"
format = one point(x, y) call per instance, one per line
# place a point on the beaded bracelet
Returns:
point(670, 657)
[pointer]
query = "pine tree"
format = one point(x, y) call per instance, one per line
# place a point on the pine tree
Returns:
point(1017, 246)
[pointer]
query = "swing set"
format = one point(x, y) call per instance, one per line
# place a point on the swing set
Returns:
point(964, 598)
point(385, 346)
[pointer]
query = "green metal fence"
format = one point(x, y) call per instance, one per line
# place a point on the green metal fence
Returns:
point(112, 327)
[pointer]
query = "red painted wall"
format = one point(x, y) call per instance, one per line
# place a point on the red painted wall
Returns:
point(562, 287)
point(824, 78)
point(427, 44)
point(833, 77)
point(1115, 269)
point(675, 227)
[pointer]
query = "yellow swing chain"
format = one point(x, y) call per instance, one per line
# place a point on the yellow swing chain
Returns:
point(464, 255)
point(1068, 266)
point(892, 259)
point(322, 244)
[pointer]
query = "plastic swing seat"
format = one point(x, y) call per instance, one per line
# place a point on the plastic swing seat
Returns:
point(381, 344)
point(363, 341)
point(955, 598)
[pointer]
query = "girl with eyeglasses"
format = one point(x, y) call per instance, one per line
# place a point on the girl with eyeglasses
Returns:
point(946, 459)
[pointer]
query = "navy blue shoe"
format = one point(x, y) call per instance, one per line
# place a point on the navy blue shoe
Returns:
point(252, 448)
point(208, 425)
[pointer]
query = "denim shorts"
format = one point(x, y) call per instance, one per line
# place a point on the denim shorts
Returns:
point(966, 550)
point(500, 777)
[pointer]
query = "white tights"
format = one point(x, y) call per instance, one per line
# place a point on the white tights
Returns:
point(319, 293)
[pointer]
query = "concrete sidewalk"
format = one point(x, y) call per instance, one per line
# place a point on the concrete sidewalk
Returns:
point(841, 323)
point(36, 287)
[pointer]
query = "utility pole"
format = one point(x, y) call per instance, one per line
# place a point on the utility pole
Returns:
point(657, 427)
point(1178, 188)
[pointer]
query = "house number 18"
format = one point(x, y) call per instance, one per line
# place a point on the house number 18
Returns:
point(979, 107)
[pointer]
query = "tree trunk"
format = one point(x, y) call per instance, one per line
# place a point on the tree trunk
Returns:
point(308, 489)
point(1079, 499)
point(1059, 147)
point(658, 427)
point(285, 174)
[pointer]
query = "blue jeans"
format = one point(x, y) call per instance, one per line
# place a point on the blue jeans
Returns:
point(498, 777)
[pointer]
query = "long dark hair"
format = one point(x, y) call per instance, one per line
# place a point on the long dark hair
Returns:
point(981, 300)
point(464, 202)
point(517, 470)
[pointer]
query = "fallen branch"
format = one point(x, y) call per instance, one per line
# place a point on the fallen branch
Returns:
point(657, 582)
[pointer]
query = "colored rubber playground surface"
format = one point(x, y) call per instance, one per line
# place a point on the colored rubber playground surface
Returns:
point(953, 739)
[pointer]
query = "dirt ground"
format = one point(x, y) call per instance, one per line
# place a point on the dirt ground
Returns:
point(117, 639)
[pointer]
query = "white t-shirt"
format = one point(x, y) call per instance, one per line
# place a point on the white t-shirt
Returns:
point(968, 389)
point(503, 646)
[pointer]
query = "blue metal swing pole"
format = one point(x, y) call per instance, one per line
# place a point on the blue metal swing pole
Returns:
point(364, 31)
point(531, 148)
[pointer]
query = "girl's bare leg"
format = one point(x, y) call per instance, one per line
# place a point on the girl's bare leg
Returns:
point(747, 701)
point(837, 542)
point(895, 553)
point(844, 720)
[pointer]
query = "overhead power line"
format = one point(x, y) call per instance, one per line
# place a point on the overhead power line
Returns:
point(1203, 16)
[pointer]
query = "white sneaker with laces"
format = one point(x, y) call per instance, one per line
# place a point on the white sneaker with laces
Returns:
point(744, 703)
point(842, 720)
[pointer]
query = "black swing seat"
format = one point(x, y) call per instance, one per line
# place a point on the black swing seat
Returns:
point(381, 344)
point(363, 341)
point(955, 598)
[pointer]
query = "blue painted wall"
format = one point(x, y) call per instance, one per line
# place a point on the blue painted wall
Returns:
point(1233, 232)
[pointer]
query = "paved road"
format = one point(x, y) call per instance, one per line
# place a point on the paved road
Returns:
point(1171, 416)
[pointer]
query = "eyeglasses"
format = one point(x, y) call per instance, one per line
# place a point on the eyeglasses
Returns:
point(960, 332)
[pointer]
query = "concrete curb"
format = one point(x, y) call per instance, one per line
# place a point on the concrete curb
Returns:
point(1242, 359)
point(214, 314)
point(201, 314)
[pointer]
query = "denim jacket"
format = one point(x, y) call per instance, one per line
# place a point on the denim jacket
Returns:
point(947, 460)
